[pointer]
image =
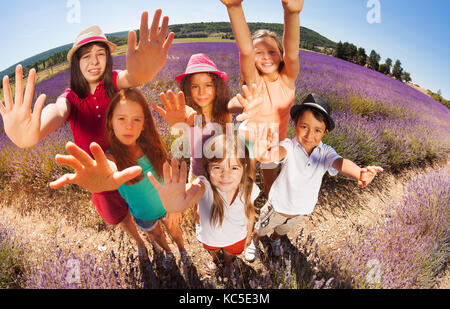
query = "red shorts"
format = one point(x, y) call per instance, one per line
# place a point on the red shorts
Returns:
point(234, 249)
point(110, 206)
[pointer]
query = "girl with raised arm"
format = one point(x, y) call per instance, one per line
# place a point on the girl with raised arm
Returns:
point(267, 62)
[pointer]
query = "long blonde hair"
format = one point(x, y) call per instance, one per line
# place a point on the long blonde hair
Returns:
point(223, 147)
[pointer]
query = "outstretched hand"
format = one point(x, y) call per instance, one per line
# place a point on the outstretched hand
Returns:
point(367, 175)
point(293, 6)
point(145, 61)
point(251, 101)
point(95, 175)
point(21, 125)
point(174, 194)
point(174, 110)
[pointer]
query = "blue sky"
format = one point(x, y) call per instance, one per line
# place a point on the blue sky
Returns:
point(414, 31)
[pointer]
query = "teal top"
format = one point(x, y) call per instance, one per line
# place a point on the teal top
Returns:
point(142, 198)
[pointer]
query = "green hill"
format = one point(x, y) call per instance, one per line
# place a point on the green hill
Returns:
point(224, 30)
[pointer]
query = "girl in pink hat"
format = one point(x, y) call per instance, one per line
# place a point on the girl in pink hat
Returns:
point(273, 65)
point(92, 85)
point(204, 93)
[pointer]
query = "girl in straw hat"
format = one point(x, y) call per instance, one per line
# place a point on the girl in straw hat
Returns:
point(92, 84)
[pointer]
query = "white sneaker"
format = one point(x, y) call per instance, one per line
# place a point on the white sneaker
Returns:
point(276, 247)
point(250, 252)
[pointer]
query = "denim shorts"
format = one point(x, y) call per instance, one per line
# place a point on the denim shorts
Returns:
point(148, 225)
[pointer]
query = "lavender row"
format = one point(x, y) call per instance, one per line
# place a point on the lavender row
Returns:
point(410, 246)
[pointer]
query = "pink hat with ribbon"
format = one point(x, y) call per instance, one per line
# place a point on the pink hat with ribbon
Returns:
point(200, 63)
point(89, 35)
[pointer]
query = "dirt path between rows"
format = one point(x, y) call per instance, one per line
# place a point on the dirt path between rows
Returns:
point(342, 212)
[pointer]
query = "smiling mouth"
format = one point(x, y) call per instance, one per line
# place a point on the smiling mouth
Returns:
point(94, 71)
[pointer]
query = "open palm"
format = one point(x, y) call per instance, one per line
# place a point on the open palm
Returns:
point(174, 110)
point(95, 175)
point(145, 61)
point(266, 145)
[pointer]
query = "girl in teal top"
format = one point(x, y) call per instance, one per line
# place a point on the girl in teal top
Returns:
point(142, 197)
point(134, 140)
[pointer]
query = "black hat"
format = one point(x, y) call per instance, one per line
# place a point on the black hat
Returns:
point(318, 103)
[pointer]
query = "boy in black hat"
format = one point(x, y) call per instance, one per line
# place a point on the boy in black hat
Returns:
point(305, 159)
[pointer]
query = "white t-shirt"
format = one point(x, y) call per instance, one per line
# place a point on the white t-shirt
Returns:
point(296, 189)
point(234, 224)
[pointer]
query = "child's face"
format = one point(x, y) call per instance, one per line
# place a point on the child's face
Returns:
point(128, 122)
point(203, 91)
point(310, 131)
point(226, 175)
point(93, 64)
point(267, 55)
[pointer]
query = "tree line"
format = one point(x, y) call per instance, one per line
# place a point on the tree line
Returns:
point(349, 52)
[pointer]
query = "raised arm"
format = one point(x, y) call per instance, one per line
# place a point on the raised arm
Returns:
point(243, 39)
point(23, 127)
point(175, 195)
point(363, 176)
point(145, 61)
point(95, 175)
point(291, 37)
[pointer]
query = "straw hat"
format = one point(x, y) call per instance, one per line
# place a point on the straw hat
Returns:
point(89, 35)
point(200, 63)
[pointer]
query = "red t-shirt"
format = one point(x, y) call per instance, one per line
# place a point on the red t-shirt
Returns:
point(88, 116)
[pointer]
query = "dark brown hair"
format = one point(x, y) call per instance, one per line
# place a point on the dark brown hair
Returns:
point(149, 140)
point(220, 113)
point(79, 84)
point(223, 147)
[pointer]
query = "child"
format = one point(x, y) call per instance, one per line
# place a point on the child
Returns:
point(92, 84)
point(266, 62)
point(224, 195)
point(305, 159)
point(134, 140)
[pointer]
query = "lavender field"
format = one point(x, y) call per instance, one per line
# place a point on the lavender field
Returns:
point(379, 121)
